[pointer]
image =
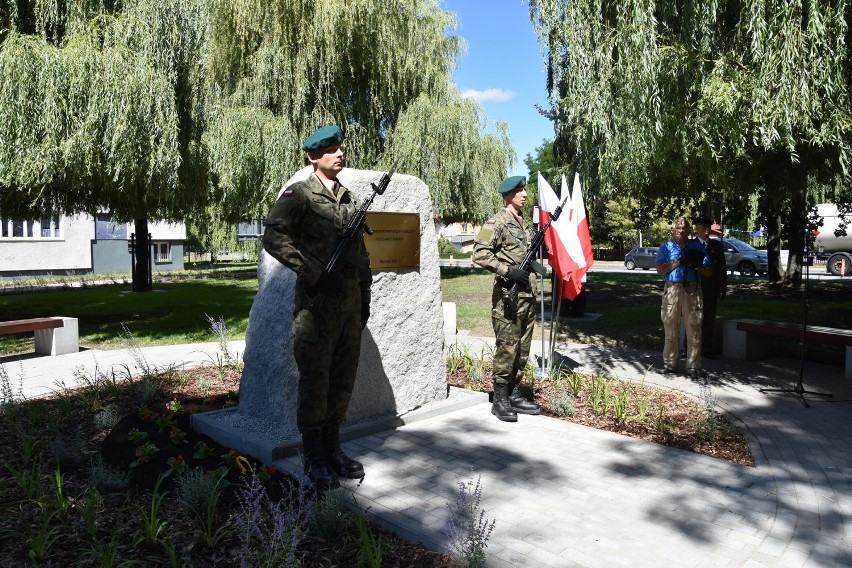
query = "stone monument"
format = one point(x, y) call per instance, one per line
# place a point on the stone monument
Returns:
point(402, 364)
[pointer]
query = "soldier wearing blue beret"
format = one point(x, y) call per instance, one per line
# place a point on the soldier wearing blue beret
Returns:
point(302, 232)
point(500, 247)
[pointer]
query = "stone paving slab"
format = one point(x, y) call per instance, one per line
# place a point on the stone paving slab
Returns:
point(565, 495)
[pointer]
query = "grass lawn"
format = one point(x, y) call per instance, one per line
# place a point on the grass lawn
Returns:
point(629, 307)
point(628, 304)
point(174, 313)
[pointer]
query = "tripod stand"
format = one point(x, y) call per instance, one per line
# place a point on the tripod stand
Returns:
point(799, 389)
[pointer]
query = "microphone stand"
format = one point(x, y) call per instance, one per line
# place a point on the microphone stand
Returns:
point(799, 389)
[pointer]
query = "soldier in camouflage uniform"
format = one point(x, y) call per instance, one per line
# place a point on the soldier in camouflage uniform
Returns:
point(500, 247)
point(302, 231)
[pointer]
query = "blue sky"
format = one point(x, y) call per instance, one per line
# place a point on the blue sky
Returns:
point(503, 67)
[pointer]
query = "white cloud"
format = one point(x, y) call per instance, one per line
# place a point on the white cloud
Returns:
point(494, 95)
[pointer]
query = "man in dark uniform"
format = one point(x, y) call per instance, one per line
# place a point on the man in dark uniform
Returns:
point(500, 247)
point(713, 288)
point(302, 231)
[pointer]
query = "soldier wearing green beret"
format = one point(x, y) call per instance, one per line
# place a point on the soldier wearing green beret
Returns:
point(500, 247)
point(302, 231)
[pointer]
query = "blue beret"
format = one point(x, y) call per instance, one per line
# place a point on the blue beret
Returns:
point(323, 138)
point(511, 183)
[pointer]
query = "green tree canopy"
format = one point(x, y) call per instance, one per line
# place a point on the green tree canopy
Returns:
point(693, 98)
point(160, 107)
point(626, 217)
point(381, 70)
point(101, 110)
point(90, 118)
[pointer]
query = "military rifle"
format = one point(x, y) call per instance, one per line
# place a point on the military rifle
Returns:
point(510, 297)
point(353, 227)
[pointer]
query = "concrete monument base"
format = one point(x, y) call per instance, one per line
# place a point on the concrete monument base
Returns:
point(256, 438)
point(401, 368)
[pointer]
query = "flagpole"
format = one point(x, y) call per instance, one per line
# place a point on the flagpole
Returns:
point(541, 370)
point(555, 309)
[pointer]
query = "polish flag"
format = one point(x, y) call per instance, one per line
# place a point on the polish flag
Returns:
point(558, 238)
point(581, 249)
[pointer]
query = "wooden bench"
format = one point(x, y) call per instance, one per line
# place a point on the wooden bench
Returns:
point(53, 336)
point(749, 339)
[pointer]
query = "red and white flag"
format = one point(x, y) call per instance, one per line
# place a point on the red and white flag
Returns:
point(567, 239)
point(581, 248)
point(558, 237)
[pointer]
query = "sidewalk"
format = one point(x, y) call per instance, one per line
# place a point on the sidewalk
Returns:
point(565, 495)
point(34, 376)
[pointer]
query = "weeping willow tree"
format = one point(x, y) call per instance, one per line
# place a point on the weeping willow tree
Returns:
point(101, 110)
point(730, 96)
point(195, 109)
point(381, 70)
point(442, 143)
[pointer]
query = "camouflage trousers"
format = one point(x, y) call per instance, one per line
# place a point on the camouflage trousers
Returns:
point(513, 338)
point(682, 302)
point(327, 346)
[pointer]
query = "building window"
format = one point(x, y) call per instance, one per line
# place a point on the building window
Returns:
point(50, 227)
point(46, 228)
point(162, 252)
point(107, 229)
point(251, 230)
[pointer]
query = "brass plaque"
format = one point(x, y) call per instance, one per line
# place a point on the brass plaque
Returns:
point(395, 242)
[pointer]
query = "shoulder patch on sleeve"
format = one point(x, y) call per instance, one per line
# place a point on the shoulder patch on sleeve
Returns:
point(288, 191)
point(485, 233)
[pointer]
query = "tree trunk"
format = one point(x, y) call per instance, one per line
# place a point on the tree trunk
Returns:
point(797, 223)
point(773, 246)
point(142, 274)
point(774, 166)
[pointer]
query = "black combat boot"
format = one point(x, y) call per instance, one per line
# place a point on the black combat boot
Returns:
point(501, 408)
point(518, 402)
point(343, 465)
point(315, 461)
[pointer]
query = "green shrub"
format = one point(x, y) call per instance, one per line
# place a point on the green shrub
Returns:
point(68, 448)
point(107, 418)
point(562, 404)
point(446, 248)
point(108, 479)
point(327, 514)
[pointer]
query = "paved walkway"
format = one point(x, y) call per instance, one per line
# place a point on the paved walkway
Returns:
point(564, 495)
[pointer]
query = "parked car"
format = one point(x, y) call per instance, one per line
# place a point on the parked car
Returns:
point(744, 258)
point(641, 257)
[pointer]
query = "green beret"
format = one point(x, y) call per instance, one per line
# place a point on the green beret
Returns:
point(323, 138)
point(511, 183)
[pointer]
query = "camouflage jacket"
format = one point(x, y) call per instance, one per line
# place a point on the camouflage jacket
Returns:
point(501, 244)
point(304, 227)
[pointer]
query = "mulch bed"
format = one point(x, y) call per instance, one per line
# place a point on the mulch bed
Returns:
point(118, 448)
point(682, 415)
